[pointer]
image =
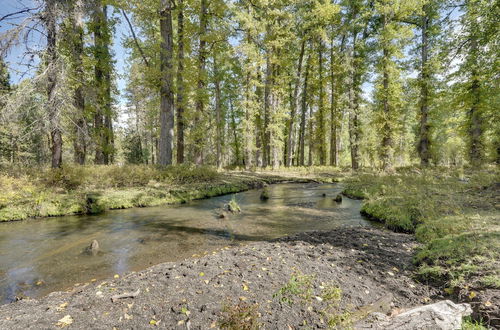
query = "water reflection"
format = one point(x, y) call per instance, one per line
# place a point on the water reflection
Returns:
point(40, 256)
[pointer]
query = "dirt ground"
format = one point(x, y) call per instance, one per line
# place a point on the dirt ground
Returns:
point(290, 283)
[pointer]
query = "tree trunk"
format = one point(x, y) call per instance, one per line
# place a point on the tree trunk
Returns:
point(321, 125)
point(423, 146)
point(200, 99)
point(218, 115)
point(237, 152)
point(354, 106)
point(294, 105)
point(180, 82)
point(81, 130)
point(53, 109)
point(102, 72)
point(336, 85)
point(302, 129)
point(267, 103)
point(476, 122)
point(387, 141)
point(247, 134)
point(166, 91)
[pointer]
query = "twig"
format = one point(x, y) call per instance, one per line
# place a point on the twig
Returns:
point(126, 295)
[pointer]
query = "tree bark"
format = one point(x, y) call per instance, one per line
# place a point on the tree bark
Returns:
point(180, 82)
point(267, 103)
point(321, 125)
point(294, 106)
point(424, 141)
point(476, 151)
point(247, 134)
point(200, 100)
point(334, 115)
point(53, 109)
point(302, 129)
point(102, 73)
point(81, 130)
point(237, 152)
point(218, 115)
point(166, 142)
point(354, 105)
point(387, 142)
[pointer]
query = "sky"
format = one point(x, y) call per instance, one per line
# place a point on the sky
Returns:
point(22, 66)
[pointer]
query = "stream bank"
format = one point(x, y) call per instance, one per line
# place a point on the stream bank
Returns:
point(93, 190)
point(316, 279)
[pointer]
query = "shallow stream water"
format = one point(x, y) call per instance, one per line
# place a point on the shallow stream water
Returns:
point(44, 255)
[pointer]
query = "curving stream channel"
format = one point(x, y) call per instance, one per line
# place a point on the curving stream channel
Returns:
point(44, 255)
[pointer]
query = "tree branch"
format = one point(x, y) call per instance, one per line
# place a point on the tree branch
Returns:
point(135, 39)
point(25, 10)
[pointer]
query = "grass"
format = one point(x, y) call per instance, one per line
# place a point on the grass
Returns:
point(241, 316)
point(30, 192)
point(454, 213)
point(299, 287)
point(470, 324)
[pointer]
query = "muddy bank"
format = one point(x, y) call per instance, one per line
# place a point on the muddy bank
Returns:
point(309, 279)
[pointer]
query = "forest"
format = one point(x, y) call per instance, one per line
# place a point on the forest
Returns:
point(248, 164)
point(254, 84)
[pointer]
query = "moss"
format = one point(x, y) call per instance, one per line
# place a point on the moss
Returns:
point(393, 216)
point(94, 189)
point(456, 220)
point(460, 258)
point(14, 212)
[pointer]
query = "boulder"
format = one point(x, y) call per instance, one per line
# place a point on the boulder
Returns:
point(93, 248)
point(443, 315)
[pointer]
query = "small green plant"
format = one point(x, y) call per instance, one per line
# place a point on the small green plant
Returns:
point(242, 316)
point(470, 324)
point(233, 205)
point(491, 281)
point(331, 294)
point(298, 287)
point(340, 321)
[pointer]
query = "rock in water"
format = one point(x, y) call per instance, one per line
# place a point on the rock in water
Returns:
point(443, 315)
point(264, 196)
point(93, 248)
point(338, 198)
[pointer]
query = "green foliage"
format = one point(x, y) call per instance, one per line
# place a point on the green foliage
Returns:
point(92, 189)
point(461, 257)
point(452, 212)
point(298, 289)
point(469, 324)
point(233, 205)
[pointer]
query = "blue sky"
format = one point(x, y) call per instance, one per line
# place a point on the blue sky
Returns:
point(22, 66)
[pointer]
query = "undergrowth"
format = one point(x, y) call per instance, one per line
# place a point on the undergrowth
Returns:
point(35, 192)
point(455, 213)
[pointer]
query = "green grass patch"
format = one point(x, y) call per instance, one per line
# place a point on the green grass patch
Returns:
point(453, 212)
point(30, 192)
